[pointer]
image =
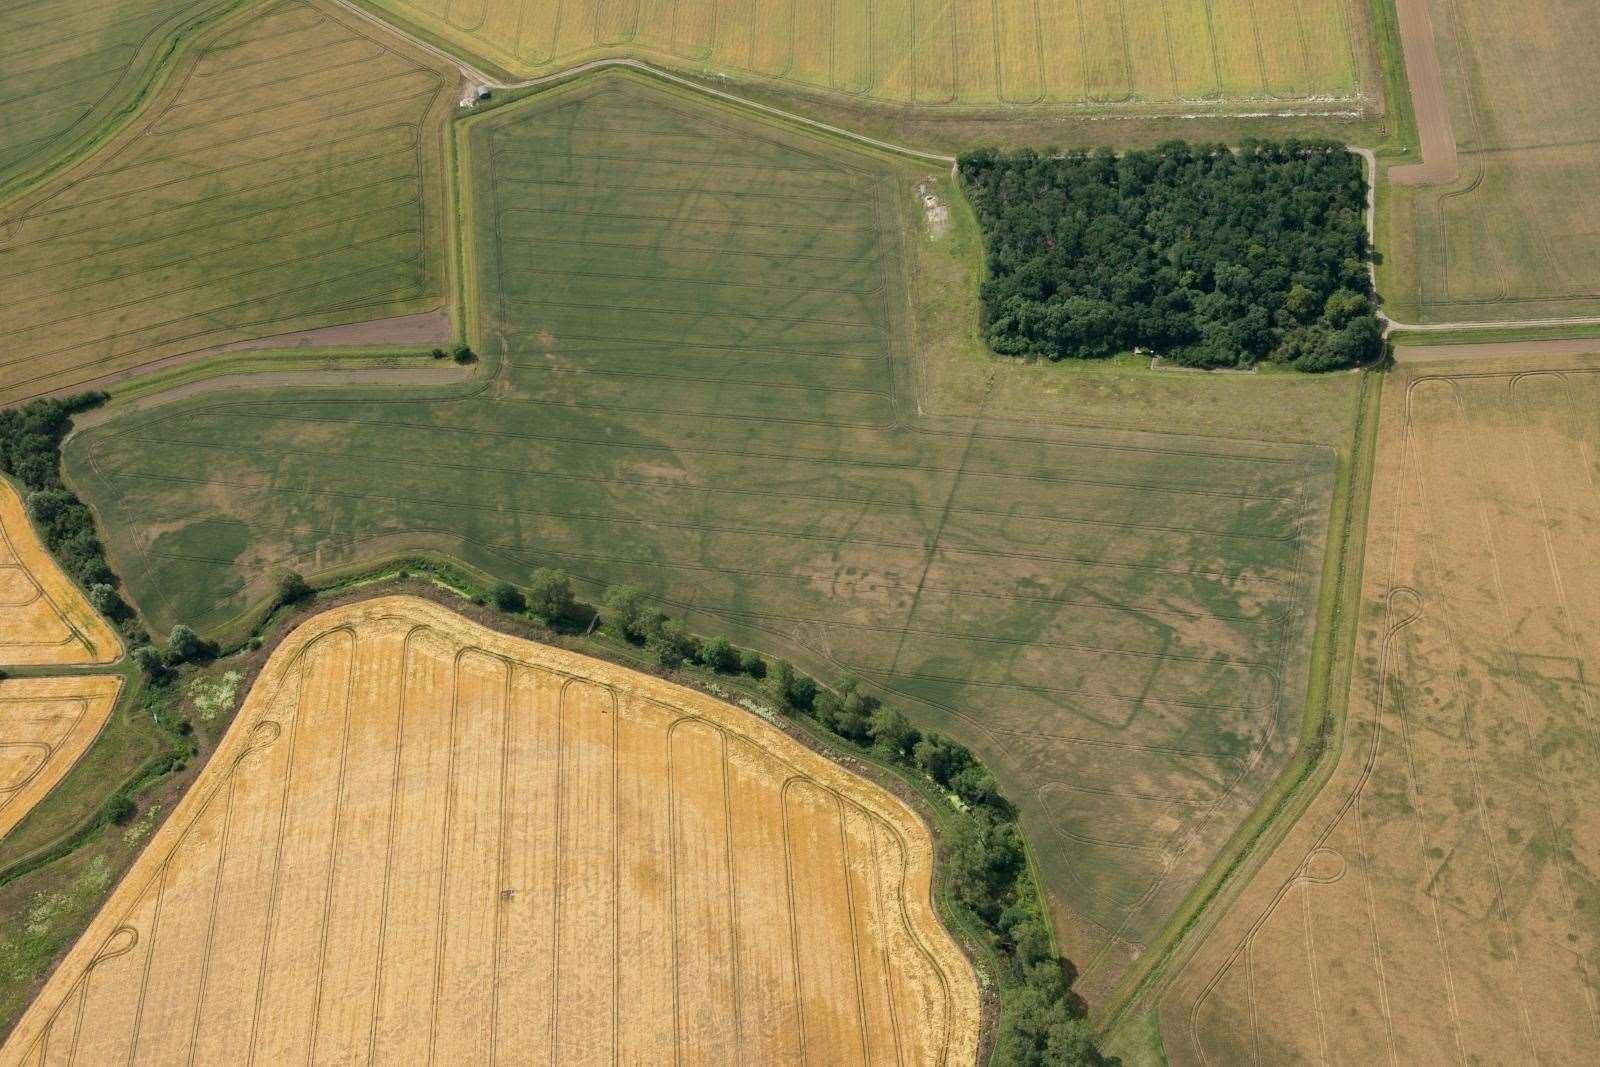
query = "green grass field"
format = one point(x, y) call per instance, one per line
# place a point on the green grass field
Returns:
point(68, 69)
point(952, 54)
point(699, 374)
point(288, 176)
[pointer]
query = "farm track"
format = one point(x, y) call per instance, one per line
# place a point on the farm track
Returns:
point(530, 822)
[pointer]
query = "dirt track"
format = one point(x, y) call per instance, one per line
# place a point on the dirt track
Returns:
point(427, 327)
point(423, 841)
point(1439, 164)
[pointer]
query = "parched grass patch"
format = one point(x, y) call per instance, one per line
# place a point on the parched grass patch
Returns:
point(698, 363)
point(428, 840)
point(287, 177)
point(960, 54)
point(1437, 902)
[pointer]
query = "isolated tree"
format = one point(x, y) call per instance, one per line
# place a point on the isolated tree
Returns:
point(293, 588)
point(720, 655)
point(550, 594)
point(464, 354)
point(185, 646)
point(509, 598)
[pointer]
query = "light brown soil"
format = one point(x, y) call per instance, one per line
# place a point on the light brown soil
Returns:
point(44, 619)
point(425, 841)
point(1435, 902)
point(1432, 111)
point(45, 725)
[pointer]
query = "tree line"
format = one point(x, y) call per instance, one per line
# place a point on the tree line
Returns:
point(30, 452)
point(1205, 255)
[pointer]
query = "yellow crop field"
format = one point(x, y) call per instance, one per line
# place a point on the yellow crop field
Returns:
point(45, 725)
point(287, 176)
point(44, 619)
point(422, 841)
point(962, 53)
point(1438, 901)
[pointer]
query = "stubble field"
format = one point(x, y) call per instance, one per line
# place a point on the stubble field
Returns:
point(44, 618)
point(697, 378)
point(952, 54)
point(1437, 903)
point(1512, 236)
point(289, 176)
point(424, 840)
point(45, 725)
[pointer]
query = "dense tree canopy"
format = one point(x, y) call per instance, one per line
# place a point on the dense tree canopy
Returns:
point(1209, 256)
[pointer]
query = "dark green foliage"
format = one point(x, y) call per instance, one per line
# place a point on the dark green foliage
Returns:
point(121, 809)
point(30, 451)
point(797, 691)
point(186, 646)
point(720, 655)
point(892, 734)
point(152, 663)
point(1210, 257)
point(847, 712)
point(550, 594)
point(439, 353)
point(508, 597)
point(463, 354)
point(670, 643)
point(751, 663)
point(628, 612)
point(293, 588)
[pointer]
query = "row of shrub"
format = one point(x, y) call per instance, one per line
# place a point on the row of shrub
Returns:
point(30, 452)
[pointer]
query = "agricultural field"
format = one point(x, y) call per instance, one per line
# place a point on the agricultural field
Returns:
point(1437, 903)
point(431, 841)
point(45, 725)
point(688, 388)
point(70, 69)
point(951, 55)
point(288, 176)
point(44, 618)
point(1506, 233)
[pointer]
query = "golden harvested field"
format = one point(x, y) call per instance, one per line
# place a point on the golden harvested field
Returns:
point(961, 53)
point(1440, 900)
point(44, 618)
point(424, 841)
point(45, 725)
point(288, 176)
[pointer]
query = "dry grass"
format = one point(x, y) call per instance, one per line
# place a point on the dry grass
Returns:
point(45, 725)
point(1438, 902)
point(44, 618)
point(421, 839)
point(287, 177)
point(962, 53)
